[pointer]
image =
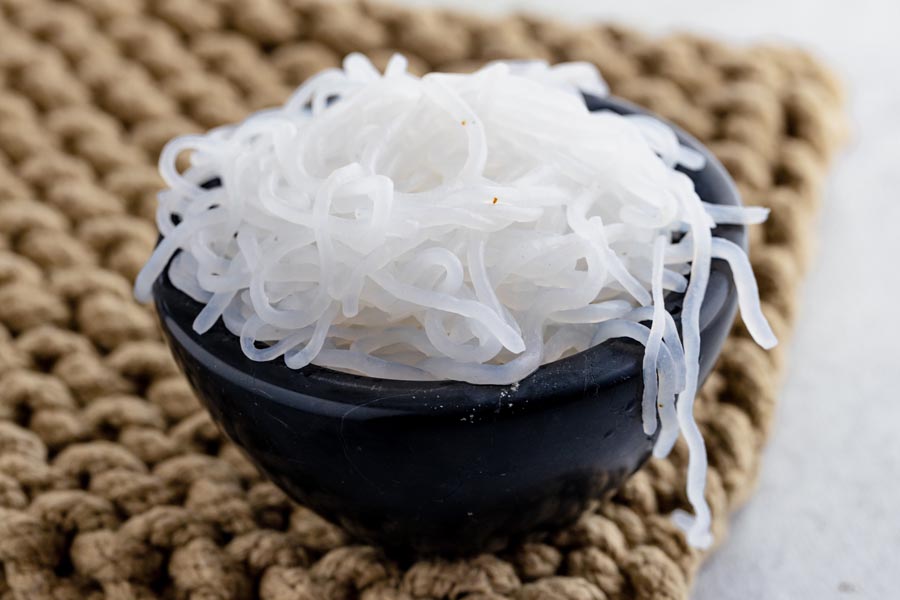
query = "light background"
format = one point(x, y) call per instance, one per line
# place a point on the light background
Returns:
point(825, 522)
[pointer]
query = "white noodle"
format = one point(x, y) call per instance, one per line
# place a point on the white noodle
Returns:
point(467, 227)
point(651, 354)
point(748, 294)
point(736, 215)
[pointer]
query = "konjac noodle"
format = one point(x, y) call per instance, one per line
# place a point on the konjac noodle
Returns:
point(465, 227)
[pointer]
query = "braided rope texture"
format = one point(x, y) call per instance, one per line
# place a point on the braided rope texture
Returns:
point(114, 483)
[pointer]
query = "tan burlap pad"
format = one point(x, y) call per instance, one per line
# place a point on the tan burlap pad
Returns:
point(114, 483)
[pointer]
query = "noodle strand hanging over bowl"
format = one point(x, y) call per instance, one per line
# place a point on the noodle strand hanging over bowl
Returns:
point(465, 227)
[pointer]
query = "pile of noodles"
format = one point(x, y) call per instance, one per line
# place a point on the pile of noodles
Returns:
point(465, 227)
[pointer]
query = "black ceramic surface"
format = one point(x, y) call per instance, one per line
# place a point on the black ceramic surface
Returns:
point(444, 467)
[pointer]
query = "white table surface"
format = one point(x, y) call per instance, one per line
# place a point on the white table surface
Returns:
point(824, 523)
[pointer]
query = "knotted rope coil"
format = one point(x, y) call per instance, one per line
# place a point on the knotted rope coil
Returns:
point(114, 483)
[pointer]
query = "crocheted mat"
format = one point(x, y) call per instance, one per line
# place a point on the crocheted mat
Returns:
point(114, 482)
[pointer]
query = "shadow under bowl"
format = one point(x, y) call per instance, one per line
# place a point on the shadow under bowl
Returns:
point(445, 467)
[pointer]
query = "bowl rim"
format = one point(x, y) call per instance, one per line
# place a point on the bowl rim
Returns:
point(618, 359)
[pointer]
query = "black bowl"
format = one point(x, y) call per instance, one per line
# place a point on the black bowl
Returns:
point(445, 467)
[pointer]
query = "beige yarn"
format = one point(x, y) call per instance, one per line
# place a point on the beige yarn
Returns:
point(115, 484)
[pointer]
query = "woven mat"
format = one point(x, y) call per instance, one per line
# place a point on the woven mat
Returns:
point(114, 483)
